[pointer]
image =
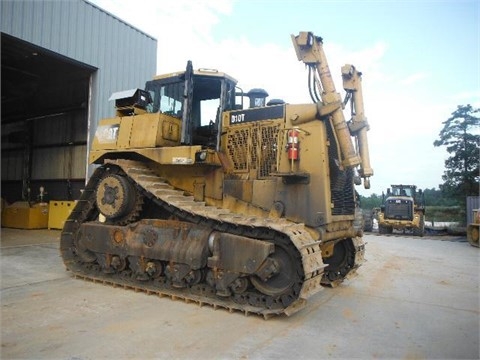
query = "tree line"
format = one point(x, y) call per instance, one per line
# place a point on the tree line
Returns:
point(433, 197)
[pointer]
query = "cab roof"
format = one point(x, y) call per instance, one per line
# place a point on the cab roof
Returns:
point(404, 186)
point(199, 72)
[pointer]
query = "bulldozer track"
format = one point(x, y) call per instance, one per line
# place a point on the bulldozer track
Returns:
point(292, 236)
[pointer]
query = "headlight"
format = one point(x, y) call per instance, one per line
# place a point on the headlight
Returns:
point(201, 156)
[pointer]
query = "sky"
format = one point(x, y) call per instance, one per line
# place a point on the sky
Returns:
point(420, 60)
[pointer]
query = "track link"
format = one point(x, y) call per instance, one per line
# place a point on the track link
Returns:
point(292, 236)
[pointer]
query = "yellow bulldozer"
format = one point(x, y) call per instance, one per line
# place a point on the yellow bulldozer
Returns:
point(200, 196)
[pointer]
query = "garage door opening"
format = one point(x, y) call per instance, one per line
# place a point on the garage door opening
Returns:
point(44, 123)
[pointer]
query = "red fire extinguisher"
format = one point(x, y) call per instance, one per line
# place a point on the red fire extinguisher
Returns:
point(293, 144)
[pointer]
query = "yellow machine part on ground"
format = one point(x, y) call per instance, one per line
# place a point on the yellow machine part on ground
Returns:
point(22, 215)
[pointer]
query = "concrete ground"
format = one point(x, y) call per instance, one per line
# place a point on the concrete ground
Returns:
point(414, 299)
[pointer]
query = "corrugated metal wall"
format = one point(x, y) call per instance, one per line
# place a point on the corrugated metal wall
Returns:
point(123, 56)
point(473, 202)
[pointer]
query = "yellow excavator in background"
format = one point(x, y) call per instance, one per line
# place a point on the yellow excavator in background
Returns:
point(199, 197)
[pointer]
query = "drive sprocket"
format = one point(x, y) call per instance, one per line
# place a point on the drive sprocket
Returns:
point(118, 199)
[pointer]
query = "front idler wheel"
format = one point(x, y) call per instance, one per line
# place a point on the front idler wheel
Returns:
point(278, 276)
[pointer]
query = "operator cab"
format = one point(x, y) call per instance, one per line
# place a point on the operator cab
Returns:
point(403, 190)
point(198, 98)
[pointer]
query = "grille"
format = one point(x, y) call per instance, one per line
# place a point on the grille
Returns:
point(254, 156)
point(238, 148)
point(268, 151)
point(341, 181)
point(253, 148)
point(399, 209)
point(343, 193)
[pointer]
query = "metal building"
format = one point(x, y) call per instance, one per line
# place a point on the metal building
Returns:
point(473, 203)
point(61, 61)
